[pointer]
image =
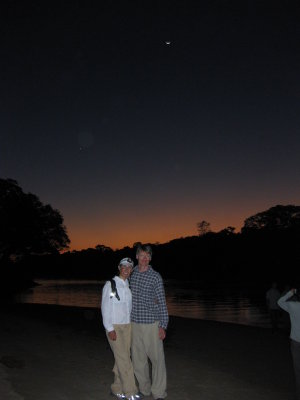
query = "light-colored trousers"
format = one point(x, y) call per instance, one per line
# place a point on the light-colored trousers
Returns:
point(124, 381)
point(146, 344)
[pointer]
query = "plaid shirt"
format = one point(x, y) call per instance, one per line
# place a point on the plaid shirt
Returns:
point(148, 298)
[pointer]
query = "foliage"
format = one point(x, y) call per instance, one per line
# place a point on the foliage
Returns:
point(203, 228)
point(225, 257)
point(227, 231)
point(275, 218)
point(103, 249)
point(27, 225)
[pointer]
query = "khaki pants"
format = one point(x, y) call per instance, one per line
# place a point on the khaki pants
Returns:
point(124, 381)
point(146, 344)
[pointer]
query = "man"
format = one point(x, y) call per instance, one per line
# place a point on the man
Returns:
point(149, 317)
point(290, 302)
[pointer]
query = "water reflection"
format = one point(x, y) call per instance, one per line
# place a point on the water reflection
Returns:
point(184, 299)
point(64, 293)
point(219, 305)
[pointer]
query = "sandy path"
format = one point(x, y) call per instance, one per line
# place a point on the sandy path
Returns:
point(61, 353)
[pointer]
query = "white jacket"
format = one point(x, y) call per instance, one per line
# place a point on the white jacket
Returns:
point(116, 311)
point(293, 308)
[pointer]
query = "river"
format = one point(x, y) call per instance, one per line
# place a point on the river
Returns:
point(184, 299)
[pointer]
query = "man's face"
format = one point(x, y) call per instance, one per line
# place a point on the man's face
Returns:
point(143, 258)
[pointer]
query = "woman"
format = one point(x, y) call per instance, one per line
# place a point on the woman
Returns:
point(116, 309)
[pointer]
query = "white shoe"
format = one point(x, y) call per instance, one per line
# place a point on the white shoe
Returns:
point(120, 396)
point(138, 396)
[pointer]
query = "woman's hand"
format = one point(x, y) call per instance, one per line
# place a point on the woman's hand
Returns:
point(112, 335)
point(161, 333)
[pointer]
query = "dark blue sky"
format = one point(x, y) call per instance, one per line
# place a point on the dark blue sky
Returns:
point(133, 139)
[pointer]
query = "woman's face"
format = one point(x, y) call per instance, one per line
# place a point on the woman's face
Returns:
point(125, 271)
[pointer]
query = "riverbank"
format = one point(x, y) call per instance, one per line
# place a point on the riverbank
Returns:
point(59, 353)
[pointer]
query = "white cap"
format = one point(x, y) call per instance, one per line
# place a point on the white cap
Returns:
point(126, 261)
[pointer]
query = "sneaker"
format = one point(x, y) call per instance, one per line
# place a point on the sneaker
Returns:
point(120, 396)
point(139, 396)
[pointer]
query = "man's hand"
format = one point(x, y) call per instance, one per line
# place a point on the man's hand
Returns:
point(161, 333)
point(112, 335)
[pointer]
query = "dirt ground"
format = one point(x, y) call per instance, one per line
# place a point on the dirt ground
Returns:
point(60, 353)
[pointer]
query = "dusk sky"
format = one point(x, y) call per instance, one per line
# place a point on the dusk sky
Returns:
point(136, 121)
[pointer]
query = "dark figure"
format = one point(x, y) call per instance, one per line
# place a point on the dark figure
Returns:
point(272, 297)
point(285, 317)
point(290, 302)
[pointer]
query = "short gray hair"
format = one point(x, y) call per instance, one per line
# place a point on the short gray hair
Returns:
point(144, 247)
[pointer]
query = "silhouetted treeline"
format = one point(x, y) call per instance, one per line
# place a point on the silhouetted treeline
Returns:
point(32, 235)
point(249, 257)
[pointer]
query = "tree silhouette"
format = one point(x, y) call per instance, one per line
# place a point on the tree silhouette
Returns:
point(274, 219)
point(27, 225)
point(228, 231)
point(203, 227)
point(102, 248)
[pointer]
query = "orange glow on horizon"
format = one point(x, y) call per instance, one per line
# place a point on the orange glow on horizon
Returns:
point(117, 237)
point(122, 228)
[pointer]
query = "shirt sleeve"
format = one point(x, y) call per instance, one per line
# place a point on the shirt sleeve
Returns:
point(282, 302)
point(106, 307)
point(162, 305)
